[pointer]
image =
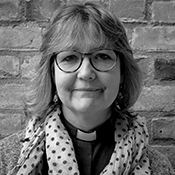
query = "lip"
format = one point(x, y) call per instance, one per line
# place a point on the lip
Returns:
point(87, 89)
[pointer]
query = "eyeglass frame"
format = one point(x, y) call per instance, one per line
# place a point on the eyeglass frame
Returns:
point(82, 58)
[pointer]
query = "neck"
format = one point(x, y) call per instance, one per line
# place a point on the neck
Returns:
point(86, 121)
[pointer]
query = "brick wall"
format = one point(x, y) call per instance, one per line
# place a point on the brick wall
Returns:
point(151, 31)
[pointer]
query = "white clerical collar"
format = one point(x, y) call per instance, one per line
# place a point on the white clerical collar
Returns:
point(86, 136)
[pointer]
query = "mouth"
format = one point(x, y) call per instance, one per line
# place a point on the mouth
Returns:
point(87, 89)
point(88, 92)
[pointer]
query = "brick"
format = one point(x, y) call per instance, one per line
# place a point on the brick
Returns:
point(146, 65)
point(28, 65)
point(9, 66)
point(11, 96)
point(156, 67)
point(20, 37)
point(150, 115)
point(9, 9)
point(163, 128)
point(105, 3)
point(156, 98)
point(133, 9)
point(154, 38)
point(163, 11)
point(11, 123)
point(42, 10)
point(164, 69)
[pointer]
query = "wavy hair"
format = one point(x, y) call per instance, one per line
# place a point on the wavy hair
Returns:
point(79, 23)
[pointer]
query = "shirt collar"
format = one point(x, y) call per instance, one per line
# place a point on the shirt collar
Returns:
point(104, 131)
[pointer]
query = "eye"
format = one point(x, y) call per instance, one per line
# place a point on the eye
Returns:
point(103, 57)
point(70, 58)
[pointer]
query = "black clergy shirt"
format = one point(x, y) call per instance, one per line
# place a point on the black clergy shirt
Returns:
point(93, 156)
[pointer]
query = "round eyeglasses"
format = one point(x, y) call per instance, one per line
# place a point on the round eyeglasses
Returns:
point(101, 60)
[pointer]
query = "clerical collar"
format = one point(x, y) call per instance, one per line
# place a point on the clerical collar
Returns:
point(86, 136)
point(103, 130)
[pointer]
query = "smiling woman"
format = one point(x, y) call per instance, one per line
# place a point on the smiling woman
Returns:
point(86, 92)
point(84, 86)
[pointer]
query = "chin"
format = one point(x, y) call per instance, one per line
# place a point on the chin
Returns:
point(85, 108)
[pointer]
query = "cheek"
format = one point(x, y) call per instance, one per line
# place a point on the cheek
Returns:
point(63, 82)
point(113, 84)
point(62, 87)
point(113, 91)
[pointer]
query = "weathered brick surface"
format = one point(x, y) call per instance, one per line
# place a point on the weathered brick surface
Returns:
point(11, 96)
point(146, 64)
point(10, 9)
point(11, 123)
point(29, 63)
point(164, 69)
point(9, 66)
point(20, 37)
point(133, 9)
point(154, 38)
point(156, 67)
point(18, 64)
point(163, 11)
point(163, 128)
point(151, 115)
point(156, 98)
point(42, 10)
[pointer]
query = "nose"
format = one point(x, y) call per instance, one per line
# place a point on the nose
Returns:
point(86, 71)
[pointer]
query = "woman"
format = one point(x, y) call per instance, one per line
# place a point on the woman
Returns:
point(85, 83)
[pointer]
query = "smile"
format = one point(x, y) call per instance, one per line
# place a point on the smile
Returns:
point(87, 89)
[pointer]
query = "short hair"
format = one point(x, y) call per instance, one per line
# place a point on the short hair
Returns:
point(78, 23)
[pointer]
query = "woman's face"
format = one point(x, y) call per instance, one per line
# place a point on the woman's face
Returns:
point(87, 90)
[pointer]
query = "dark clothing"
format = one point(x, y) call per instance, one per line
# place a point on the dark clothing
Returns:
point(93, 156)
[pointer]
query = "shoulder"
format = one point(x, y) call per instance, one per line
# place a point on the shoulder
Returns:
point(136, 122)
point(159, 163)
point(10, 148)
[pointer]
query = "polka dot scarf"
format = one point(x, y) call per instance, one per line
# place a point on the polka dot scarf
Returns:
point(128, 158)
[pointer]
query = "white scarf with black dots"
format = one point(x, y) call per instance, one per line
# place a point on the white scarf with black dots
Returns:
point(128, 158)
